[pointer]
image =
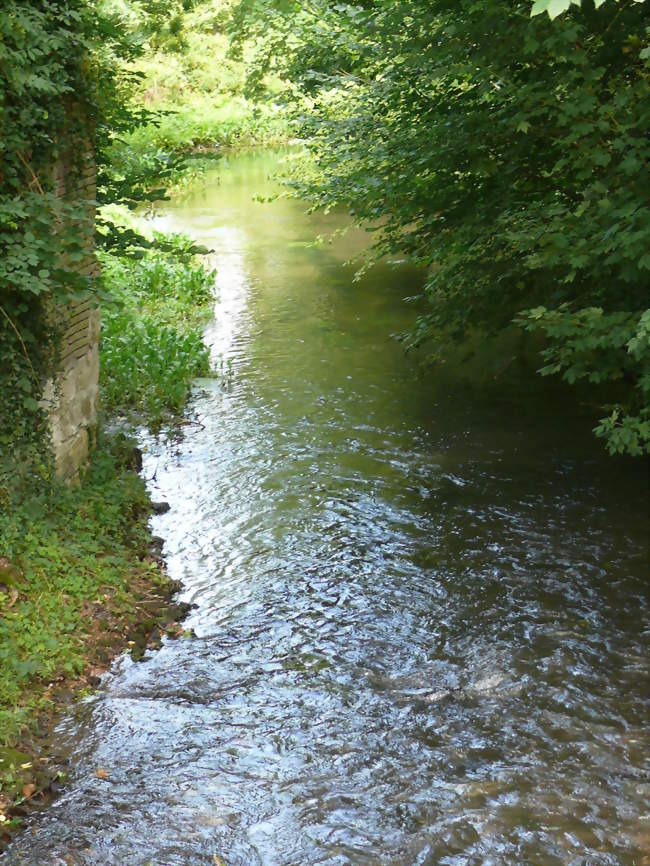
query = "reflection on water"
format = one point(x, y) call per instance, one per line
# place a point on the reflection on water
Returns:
point(420, 609)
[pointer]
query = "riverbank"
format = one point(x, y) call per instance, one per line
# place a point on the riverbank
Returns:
point(187, 137)
point(81, 577)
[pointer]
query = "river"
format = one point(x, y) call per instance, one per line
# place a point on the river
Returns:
point(421, 603)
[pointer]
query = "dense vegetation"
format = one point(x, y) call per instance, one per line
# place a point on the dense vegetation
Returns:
point(506, 154)
point(152, 344)
point(61, 90)
point(42, 50)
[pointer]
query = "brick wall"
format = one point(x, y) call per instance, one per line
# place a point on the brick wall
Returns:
point(71, 395)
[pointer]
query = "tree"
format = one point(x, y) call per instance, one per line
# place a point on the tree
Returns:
point(508, 155)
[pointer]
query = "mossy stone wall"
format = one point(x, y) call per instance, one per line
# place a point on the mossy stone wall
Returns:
point(71, 395)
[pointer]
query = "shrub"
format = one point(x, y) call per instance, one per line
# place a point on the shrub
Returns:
point(152, 345)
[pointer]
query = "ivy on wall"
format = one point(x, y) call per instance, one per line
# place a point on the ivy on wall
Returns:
point(64, 87)
point(48, 92)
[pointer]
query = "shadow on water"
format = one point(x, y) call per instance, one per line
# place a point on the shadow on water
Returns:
point(421, 604)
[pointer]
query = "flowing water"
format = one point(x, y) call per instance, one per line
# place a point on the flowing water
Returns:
point(421, 605)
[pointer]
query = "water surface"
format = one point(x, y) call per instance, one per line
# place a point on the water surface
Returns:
point(421, 605)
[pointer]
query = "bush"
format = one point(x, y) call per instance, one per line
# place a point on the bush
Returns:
point(152, 345)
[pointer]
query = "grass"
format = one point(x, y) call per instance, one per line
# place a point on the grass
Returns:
point(60, 546)
point(206, 121)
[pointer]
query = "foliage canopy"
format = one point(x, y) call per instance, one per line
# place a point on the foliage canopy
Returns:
point(506, 154)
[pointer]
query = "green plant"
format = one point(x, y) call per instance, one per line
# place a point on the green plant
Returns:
point(42, 51)
point(152, 344)
point(149, 366)
point(62, 91)
point(66, 546)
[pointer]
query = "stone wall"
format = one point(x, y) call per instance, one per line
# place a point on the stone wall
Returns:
point(71, 395)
